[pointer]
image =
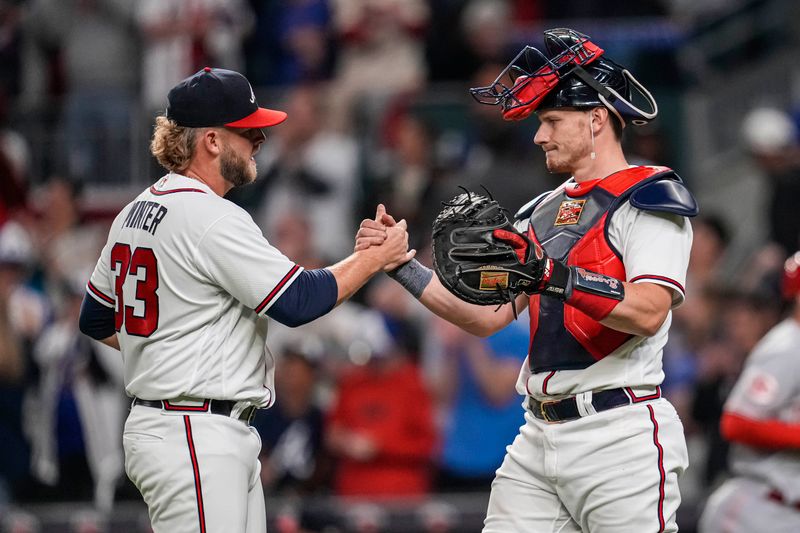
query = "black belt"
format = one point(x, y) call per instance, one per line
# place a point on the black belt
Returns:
point(217, 407)
point(567, 409)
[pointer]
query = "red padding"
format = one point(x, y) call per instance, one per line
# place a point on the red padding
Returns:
point(769, 434)
point(593, 305)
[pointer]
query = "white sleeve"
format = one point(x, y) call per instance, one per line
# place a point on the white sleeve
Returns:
point(654, 246)
point(235, 255)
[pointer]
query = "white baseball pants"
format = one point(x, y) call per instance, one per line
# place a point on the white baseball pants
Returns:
point(197, 472)
point(611, 472)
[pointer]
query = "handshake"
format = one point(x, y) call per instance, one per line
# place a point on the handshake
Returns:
point(478, 255)
point(385, 240)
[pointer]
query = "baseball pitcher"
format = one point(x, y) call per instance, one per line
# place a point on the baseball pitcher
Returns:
point(184, 288)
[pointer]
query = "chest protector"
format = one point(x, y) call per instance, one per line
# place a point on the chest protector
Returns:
point(571, 224)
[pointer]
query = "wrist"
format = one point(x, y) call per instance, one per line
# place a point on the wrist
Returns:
point(556, 278)
point(373, 261)
point(413, 276)
point(594, 294)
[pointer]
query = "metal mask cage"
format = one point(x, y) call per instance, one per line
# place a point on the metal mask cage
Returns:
point(532, 66)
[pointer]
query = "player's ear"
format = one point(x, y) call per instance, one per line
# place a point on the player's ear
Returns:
point(599, 118)
point(211, 141)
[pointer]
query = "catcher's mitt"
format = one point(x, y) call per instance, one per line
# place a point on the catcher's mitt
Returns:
point(470, 262)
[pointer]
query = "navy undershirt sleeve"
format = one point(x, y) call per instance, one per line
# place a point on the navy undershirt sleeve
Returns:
point(313, 294)
point(96, 320)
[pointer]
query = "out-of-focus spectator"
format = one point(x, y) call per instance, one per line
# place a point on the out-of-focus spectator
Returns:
point(405, 176)
point(711, 238)
point(745, 318)
point(10, 51)
point(12, 192)
point(381, 429)
point(771, 137)
point(761, 419)
point(381, 54)
point(293, 459)
point(292, 234)
point(75, 413)
point(307, 169)
point(481, 411)
point(497, 151)
point(22, 316)
point(66, 242)
point(487, 28)
point(99, 50)
point(292, 42)
point(181, 36)
point(486, 32)
point(646, 145)
point(14, 167)
point(695, 322)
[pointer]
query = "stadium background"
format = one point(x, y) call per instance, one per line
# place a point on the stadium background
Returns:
point(376, 92)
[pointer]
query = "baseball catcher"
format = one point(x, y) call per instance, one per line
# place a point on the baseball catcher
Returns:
point(599, 263)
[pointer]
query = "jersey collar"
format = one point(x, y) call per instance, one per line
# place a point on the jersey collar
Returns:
point(174, 183)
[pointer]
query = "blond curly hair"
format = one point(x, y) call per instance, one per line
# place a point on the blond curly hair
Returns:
point(172, 145)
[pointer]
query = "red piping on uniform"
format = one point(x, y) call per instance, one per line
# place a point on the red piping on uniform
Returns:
point(637, 399)
point(659, 278)
point(277, 288)
point(662, 475)
point(100, 295)
point(544, 383)
point(155, 191)
point(197, 488)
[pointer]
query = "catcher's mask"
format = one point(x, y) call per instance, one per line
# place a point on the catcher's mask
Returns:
point(572, 73)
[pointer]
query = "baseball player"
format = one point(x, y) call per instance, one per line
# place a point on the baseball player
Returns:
point(600, 450)
point(761, 418)
point(184, 288)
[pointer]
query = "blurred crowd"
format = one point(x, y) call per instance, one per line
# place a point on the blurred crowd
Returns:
point(379, 400)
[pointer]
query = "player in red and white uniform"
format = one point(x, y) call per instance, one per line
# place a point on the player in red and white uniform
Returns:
point(761, 418)
point(600, 450)
point(183, 288)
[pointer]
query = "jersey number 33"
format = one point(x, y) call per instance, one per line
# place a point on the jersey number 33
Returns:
point(142, 264)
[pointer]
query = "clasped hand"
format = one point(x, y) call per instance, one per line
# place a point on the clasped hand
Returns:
point(388, 235)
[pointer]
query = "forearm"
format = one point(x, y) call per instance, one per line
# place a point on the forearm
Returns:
point(353, 272)
point(642, 311)
point(476, 319)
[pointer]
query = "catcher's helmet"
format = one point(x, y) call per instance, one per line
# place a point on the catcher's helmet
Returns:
point(790, 282)
point(572, 73)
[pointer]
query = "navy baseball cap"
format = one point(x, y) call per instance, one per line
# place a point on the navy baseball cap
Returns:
point(215, 97)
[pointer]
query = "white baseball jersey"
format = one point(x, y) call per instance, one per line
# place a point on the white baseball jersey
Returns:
point(190, 277)
point(655, 248)
point(769, 389)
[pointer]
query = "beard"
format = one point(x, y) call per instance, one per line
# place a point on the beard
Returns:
point(567, 158)
point(235, 169)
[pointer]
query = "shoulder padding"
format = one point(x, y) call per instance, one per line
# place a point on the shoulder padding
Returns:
point(665, 196)
point(526, 210)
